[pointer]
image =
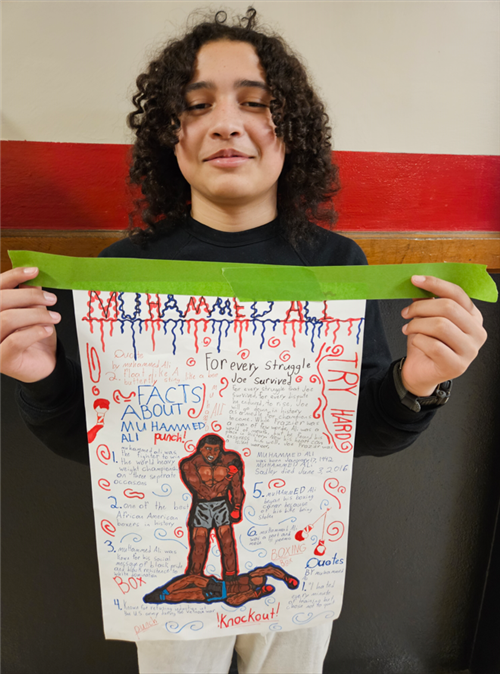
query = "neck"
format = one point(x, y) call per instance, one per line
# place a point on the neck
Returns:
point(230, 217)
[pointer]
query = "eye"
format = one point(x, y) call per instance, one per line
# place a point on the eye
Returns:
point(197, 107)
point(255, 104)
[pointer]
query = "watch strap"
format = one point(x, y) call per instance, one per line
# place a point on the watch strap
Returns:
point(439, 396)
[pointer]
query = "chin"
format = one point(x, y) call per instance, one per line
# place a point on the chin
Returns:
point(231, 196)
point(232, 187)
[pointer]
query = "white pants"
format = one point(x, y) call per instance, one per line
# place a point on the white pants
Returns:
point(298, 652)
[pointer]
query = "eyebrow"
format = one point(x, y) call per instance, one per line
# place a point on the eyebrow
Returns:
point(258, 84)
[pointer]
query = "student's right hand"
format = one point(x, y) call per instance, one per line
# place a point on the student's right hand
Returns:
point(27, 335)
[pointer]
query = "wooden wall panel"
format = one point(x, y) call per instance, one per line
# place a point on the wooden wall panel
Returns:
point(379, 247)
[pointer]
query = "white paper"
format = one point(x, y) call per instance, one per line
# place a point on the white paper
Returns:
point(267, 499)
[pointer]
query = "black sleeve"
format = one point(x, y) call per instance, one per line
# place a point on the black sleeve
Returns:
point(53, 409)
point(384, 425)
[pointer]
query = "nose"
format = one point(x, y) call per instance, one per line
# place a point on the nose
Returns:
point(226, 121)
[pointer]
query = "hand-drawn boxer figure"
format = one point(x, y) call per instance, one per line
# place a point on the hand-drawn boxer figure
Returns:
point(235, 592)
point(101, 406)
point(214, 477)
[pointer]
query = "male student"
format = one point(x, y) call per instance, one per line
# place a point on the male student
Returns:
point(233, 158)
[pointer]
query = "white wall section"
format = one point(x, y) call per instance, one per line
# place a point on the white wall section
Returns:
point(396, 76)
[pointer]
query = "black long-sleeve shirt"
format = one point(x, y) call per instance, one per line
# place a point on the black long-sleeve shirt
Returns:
point(54, 409)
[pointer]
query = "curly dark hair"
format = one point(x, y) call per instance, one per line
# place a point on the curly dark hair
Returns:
point(210, 439)
point(308, 180)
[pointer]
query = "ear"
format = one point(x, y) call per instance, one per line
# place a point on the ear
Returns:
point(179, 134)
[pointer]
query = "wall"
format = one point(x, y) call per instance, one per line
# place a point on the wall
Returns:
point(413, 91)
point(415, 83)
point(397, 77)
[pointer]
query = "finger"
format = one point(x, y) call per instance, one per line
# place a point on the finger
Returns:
point(18, 319)
point(447, 363)
point(15, 345)
point(25, 285)
point(444, 331)
point(450, 310)
point(442, 288)
point(13, 277)
point(26, 296)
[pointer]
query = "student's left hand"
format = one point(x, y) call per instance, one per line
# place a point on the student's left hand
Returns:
point(445, 334)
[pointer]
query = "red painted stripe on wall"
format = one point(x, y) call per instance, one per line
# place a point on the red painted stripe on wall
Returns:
point(84, 186)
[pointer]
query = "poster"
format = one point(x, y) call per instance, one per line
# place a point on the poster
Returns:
point(221, 440)
point(257, 399)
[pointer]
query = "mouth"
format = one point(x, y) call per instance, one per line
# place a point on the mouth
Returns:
point(228, 158)
point(228, 153)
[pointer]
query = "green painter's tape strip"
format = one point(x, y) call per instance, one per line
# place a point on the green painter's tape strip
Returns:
point(256, 282)
point(249, 282)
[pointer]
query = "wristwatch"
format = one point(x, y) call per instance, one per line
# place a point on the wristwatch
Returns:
point(440, 395)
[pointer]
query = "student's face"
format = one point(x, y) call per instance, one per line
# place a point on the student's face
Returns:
point(228, 150)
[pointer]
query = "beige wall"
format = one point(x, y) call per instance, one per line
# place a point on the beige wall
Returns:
point(397, 76)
